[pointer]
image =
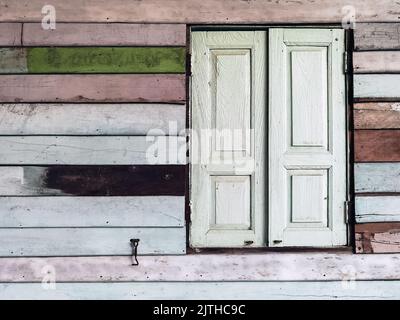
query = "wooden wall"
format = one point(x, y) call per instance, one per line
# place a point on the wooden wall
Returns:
point(76, 173)
point(377, 137)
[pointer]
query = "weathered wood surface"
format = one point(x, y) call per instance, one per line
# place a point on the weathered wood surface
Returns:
point(377, 86)
point(50, 212)
point(377, 209)
point(378, 237)
point(93, 180)
point(377, 145)
point(92, 150)
point(377, 36)
point(41, 242)
point(13, 60)
point(377, 61)
point(377, 177)
point(10, 34)
point(105, 34)
point(92, 88)
point(206, 11)
point(93, 60)
point(303, 266)
point(92, 119)
point(377, 115)
point(318, 290)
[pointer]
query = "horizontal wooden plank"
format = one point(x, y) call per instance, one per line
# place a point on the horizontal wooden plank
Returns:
point(93, 60)
point(377, 86)
point(13, 60)
point(105, 34)
point(378, 237)
point(40, 242)
point(377, 145)
point(319, 290)
point(92, 88)
point(377, 36)
point(376, 62)
point(377, 209)
point(377, 177)
point(93, 119)
point(166, 180)
point(35, 212)
point(206, 11)
point(92, 150)
point(271, 266)
point(377, 115)
point(10, 34)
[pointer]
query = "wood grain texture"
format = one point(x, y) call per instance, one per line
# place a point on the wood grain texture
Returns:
point(377, 115)
point(92, 88)
point(13, 60)
point(376, 62)
point(377, 86)
point(106, 60)
point(281, 266)
point(377, 145)
point(41, 242)
point(92, 150)
point(92, 119)
point(378, 237)
point(377, 177)
point(105, 34)
point(206, 11)
point(377, 36)
point(252, 290)
point(93, 181)
point(51, 212)
point(10, 34)
point(377, 209)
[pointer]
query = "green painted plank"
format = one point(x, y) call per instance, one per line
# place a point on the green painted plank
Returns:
point(106, 60)
point(13, 60)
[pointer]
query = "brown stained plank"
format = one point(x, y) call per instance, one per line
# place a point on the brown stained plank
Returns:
point(92, 88)
point(377, 145)
point(103, 34)
point(116, 180)
point(93, 180)
point(377, 36)
point(205, 11)
point(10, 34)
point(378, 237)
point(376, 62)
point(377, 115)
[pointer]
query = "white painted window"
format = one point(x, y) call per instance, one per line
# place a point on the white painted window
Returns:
point(268, 146)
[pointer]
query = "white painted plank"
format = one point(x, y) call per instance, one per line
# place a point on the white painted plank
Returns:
point(377, 209)
point(282, 266)
point(92, 119)
point(376, 85)
point(90, 241)
point(322, 290)
point(31, 212)
point(377, 177)
point(47, 150)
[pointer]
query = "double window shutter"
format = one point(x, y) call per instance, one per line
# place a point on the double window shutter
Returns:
point(290, 128)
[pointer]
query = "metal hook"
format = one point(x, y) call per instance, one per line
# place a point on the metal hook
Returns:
point(134, 244)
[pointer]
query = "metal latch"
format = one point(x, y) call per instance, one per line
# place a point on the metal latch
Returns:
point(134, 244)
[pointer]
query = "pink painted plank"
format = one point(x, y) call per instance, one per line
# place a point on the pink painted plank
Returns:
point(10, 34)
point(102, 34)
point(303, 266)
point(204, 11)
point(92, 88)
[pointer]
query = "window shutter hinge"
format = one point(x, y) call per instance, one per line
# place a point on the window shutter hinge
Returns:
point(346, 62)
point(347, 206)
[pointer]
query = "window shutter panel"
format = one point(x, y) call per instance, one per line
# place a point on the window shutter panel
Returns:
point(228, 98)
point(307, 138)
